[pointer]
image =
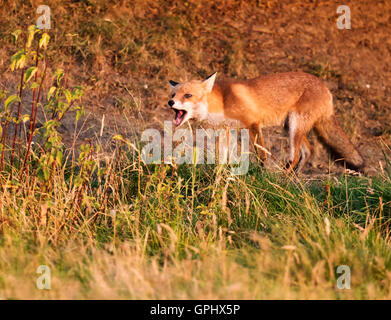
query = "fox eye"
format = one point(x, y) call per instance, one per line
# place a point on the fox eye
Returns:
point(173, 95)
point(188, 95)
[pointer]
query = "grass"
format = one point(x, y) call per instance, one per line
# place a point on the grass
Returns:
point(109, 226)
point(197, 232)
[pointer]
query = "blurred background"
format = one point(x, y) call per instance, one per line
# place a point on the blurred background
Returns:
point(124, 52)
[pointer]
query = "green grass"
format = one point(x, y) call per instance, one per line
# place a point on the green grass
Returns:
point(197, 232)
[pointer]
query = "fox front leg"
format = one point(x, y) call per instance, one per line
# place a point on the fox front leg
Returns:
point(258, 142)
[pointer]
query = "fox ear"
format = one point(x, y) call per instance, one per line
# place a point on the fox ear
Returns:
point(209, 82)
point(173, 84)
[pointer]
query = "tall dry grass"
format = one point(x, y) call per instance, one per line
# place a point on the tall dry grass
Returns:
point(109, 226)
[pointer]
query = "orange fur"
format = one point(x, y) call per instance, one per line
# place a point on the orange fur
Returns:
point(267, 101)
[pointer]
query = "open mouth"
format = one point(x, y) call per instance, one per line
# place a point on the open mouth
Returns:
point(179, 116)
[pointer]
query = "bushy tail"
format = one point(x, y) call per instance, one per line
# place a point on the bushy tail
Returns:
point(331, 132)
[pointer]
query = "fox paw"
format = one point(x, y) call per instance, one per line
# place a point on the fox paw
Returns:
point(289, 168)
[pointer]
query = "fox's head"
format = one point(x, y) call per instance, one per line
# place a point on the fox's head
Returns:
point(189, 99)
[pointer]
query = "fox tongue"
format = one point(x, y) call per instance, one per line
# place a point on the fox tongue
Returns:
point(178, 118)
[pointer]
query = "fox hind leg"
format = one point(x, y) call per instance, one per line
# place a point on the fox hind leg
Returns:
point(299, 145)
point(295, 148)
point(306, 153)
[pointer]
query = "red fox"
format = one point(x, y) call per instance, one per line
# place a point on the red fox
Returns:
point(301, 98)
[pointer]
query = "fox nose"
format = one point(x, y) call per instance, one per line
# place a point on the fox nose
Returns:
point(171, 103)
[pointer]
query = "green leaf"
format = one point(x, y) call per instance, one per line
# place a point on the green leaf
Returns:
point(59, 75)
point(43, 42)
point(79, 113)
point(34, 85)
point(59, 157)
point(30, 73)
point(10, 100)
point(77, 93)
point(51, 91)
point(15, 59)
point(25, 118)
point(31, 31)
point(68, 95)
point(16, 34)
point(21, 62)
point(46, 173)
point(118, 137)
point(12, 66)
point(17, 55)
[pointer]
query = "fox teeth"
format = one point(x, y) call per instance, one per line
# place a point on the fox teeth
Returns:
point(179, 117)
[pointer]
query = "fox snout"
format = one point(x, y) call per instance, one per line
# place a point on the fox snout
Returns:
point(171, 103)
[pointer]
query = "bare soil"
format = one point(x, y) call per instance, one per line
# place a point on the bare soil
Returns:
point(262, 38)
